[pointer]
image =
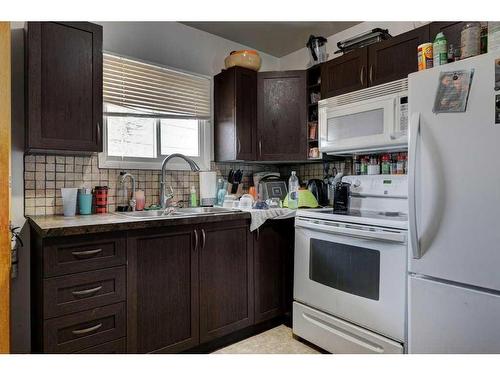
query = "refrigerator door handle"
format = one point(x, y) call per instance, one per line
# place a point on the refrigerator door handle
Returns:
point(412, 217)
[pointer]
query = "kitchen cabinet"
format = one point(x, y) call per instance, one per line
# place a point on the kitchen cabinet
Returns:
point(63, 87)
point(272, 246)
point(378, 63)
point(226, 279)
point(345, 73)
point(235, 114)
point(395, 58)
point(282, 115)
point(78, 293)
point(451, 30)
point(163, 291)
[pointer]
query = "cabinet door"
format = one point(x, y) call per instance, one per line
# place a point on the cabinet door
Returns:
point(270, 248)
point(226, 279)
point(235, 114)
point(246, 114)
point(64, 86)
point(451, 30)
point(282, 115)
point(344, 74)
point(395, 58)
point(162, 291)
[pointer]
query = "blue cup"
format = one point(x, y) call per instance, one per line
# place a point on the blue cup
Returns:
point(85, 204)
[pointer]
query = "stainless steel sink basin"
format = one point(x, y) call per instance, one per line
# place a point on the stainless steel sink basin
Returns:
point(177, 212)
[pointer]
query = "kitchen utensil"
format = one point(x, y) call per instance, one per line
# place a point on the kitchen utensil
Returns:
point(236, 180)
point(101, 199)
point(69, 201)
point(84, 201)
point(249, 59)
point(306, 199)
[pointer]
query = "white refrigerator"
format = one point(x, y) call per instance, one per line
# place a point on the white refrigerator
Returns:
point(454, 215)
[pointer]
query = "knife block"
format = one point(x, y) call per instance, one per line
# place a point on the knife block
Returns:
point(239, 191)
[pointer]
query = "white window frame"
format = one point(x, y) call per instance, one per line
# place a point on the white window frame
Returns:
point(205, 143)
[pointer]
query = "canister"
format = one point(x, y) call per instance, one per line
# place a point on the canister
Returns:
point(101, 199)
point(424, 56)
point(84, 201)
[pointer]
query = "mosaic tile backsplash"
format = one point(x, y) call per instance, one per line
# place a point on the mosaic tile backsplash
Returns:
point(44, 175)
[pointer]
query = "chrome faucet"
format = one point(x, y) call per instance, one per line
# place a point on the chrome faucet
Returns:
point(132, 202)
point(163, 198)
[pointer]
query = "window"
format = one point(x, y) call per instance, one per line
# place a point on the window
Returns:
point(151, 112)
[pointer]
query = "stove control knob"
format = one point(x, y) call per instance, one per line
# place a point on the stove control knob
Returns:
point(356, 184)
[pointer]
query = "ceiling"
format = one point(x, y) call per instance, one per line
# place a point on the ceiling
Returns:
point(275, 38)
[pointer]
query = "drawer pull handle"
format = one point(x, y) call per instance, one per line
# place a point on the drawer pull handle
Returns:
point(86, 253)
point(86, 330)
point(80, 293)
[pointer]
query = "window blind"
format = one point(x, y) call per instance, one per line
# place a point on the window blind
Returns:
point(153, 89)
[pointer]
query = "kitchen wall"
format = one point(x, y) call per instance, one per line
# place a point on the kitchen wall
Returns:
point(301, 59)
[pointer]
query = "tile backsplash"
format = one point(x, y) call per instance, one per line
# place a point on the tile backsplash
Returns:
point(44, 175)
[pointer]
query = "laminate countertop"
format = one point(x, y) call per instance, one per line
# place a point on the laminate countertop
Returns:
point(59, 225)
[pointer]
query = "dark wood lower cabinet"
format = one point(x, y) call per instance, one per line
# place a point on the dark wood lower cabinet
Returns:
point(226, 280)
point(159, 290)
point(162, 291)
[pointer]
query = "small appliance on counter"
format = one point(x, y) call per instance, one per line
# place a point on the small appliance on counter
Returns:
point(341, 197)
point(270, 185)
point(320, 191)
point(208, 188)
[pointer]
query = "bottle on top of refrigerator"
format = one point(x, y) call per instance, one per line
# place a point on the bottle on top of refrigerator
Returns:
point(364, 165)
point(440, 50)
point(470, 40)
point(293, 191)
point(386, 164)
point(357, 165)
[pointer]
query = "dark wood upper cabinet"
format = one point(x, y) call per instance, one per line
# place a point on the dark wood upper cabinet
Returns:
point(235, 114)
point(345, 73)
point(451, 30)
point(226, 279)
point(395, 58)
point(63, 86)
point(163, 291)
point(282, 115)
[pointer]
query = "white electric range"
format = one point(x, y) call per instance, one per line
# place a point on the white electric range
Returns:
point(350, 269)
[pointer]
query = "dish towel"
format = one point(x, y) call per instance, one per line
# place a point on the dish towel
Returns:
point(259, 217)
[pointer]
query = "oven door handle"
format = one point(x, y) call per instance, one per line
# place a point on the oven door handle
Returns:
point(351, 230)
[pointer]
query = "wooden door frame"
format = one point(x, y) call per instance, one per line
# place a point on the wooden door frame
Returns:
point(5, 144)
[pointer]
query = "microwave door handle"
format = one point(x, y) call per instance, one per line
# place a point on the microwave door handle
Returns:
point(350, 231)
point(412, 171)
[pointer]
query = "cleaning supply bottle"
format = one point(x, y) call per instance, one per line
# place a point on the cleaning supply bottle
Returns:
point(293, 191)
point(440, 50)
point(192, 197)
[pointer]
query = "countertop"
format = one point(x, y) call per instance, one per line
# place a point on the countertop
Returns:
point(59, 225)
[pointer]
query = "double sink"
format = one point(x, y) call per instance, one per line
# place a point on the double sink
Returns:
point(177, 212)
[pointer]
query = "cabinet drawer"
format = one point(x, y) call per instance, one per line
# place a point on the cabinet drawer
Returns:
point(70, 255)
point(85, 329)
point(72, 293)
point(112, 347)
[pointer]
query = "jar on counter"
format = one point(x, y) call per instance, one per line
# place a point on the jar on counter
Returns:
point(470, 40)
point(386, 164)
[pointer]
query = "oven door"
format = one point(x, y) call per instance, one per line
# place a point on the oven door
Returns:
point(354, 272)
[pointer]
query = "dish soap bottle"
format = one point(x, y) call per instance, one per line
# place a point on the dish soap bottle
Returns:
point(192, 197)
point(293, 191)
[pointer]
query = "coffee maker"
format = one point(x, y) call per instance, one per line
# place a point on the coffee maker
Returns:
point(341, 197)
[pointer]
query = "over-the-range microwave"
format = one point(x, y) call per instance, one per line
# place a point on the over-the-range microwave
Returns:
point(371, 119)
